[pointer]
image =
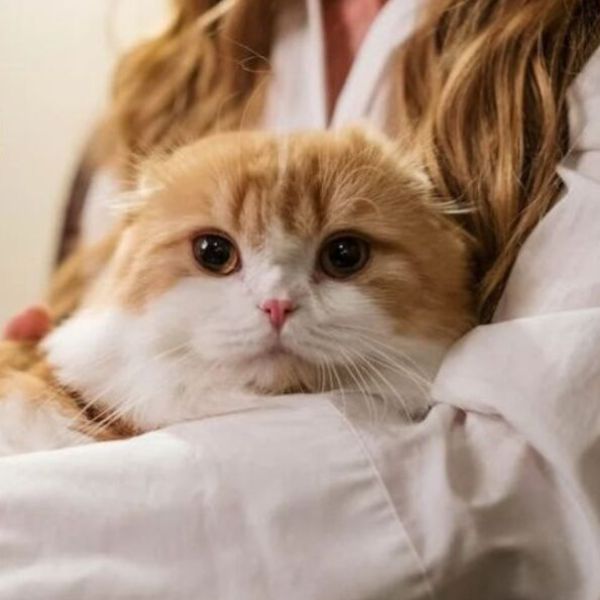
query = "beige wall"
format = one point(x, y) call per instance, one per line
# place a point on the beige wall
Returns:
point(55, 61)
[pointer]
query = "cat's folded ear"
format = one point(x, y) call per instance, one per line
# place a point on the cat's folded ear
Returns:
point(128, 204)
point(362, 132)
point(365, 137)
point(407, 157)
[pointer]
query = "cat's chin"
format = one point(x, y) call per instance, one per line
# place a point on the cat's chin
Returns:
point(109, 358)
point(279, 371)
point(104, 355)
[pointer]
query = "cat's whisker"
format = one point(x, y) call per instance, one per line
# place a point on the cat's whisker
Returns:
point(383, 355)
point(422, 386)
point(240, 332)
point(380, 391)
point(367, 335)
point(395, 392)
point(362, 386)
point(340, 386)
point(394, 364)
point(381, 352)
point(320, 379)
point(122, 407)
point(109, 417)
point(170, 351)
point(327, 373)
point(381, 377)
point(93, 401)
point(370, 400)
point(422, 383)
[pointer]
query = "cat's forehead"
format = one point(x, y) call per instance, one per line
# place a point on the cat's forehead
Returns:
point(260, 186)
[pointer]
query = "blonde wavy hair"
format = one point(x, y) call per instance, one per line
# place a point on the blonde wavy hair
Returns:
point(206, 72)
point(481, 85)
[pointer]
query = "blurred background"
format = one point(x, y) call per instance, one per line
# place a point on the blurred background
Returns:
point(56, 58)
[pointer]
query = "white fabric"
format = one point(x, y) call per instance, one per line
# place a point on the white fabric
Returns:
point(495, 494)
point(297, 97)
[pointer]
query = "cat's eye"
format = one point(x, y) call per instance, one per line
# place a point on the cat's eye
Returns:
point(216, 253)
point(343, 256)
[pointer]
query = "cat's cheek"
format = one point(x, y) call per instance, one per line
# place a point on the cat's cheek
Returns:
point(84, 349)
point(204, 312)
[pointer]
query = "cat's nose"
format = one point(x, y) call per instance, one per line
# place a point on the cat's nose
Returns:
point(278, 311)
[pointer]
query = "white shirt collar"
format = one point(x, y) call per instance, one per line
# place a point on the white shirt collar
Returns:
point(297, 98)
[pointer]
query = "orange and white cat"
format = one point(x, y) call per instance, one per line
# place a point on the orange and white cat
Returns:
point(248, 265)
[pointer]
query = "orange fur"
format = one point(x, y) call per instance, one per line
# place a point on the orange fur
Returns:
point(315, 184)
point(254, 186)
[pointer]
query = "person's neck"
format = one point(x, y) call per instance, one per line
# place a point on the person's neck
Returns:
point(346, 23)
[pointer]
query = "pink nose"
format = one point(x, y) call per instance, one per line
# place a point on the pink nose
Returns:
point(278, 311)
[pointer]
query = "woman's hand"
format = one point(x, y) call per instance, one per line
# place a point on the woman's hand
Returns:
point(31, 325)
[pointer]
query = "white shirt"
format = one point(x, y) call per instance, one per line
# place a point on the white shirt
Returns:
point(495, 494)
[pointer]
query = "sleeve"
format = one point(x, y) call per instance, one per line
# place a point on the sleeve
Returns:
point(271, 504)
point(536, 367)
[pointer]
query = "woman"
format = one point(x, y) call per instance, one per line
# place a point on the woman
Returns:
point(495, 494)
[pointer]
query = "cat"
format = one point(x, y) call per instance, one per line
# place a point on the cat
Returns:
point(247, 265)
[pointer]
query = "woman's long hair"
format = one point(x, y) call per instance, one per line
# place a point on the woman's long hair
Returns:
point(206, 72)
point(481, 86)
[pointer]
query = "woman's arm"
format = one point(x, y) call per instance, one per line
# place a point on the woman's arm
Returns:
point(302, 499)
point(493, 495)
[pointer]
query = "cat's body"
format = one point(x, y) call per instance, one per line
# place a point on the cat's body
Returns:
point(250, 265)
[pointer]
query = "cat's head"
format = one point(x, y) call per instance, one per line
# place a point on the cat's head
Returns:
point(274, 264)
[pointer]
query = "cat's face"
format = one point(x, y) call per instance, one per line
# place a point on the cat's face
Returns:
point(274, 264)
